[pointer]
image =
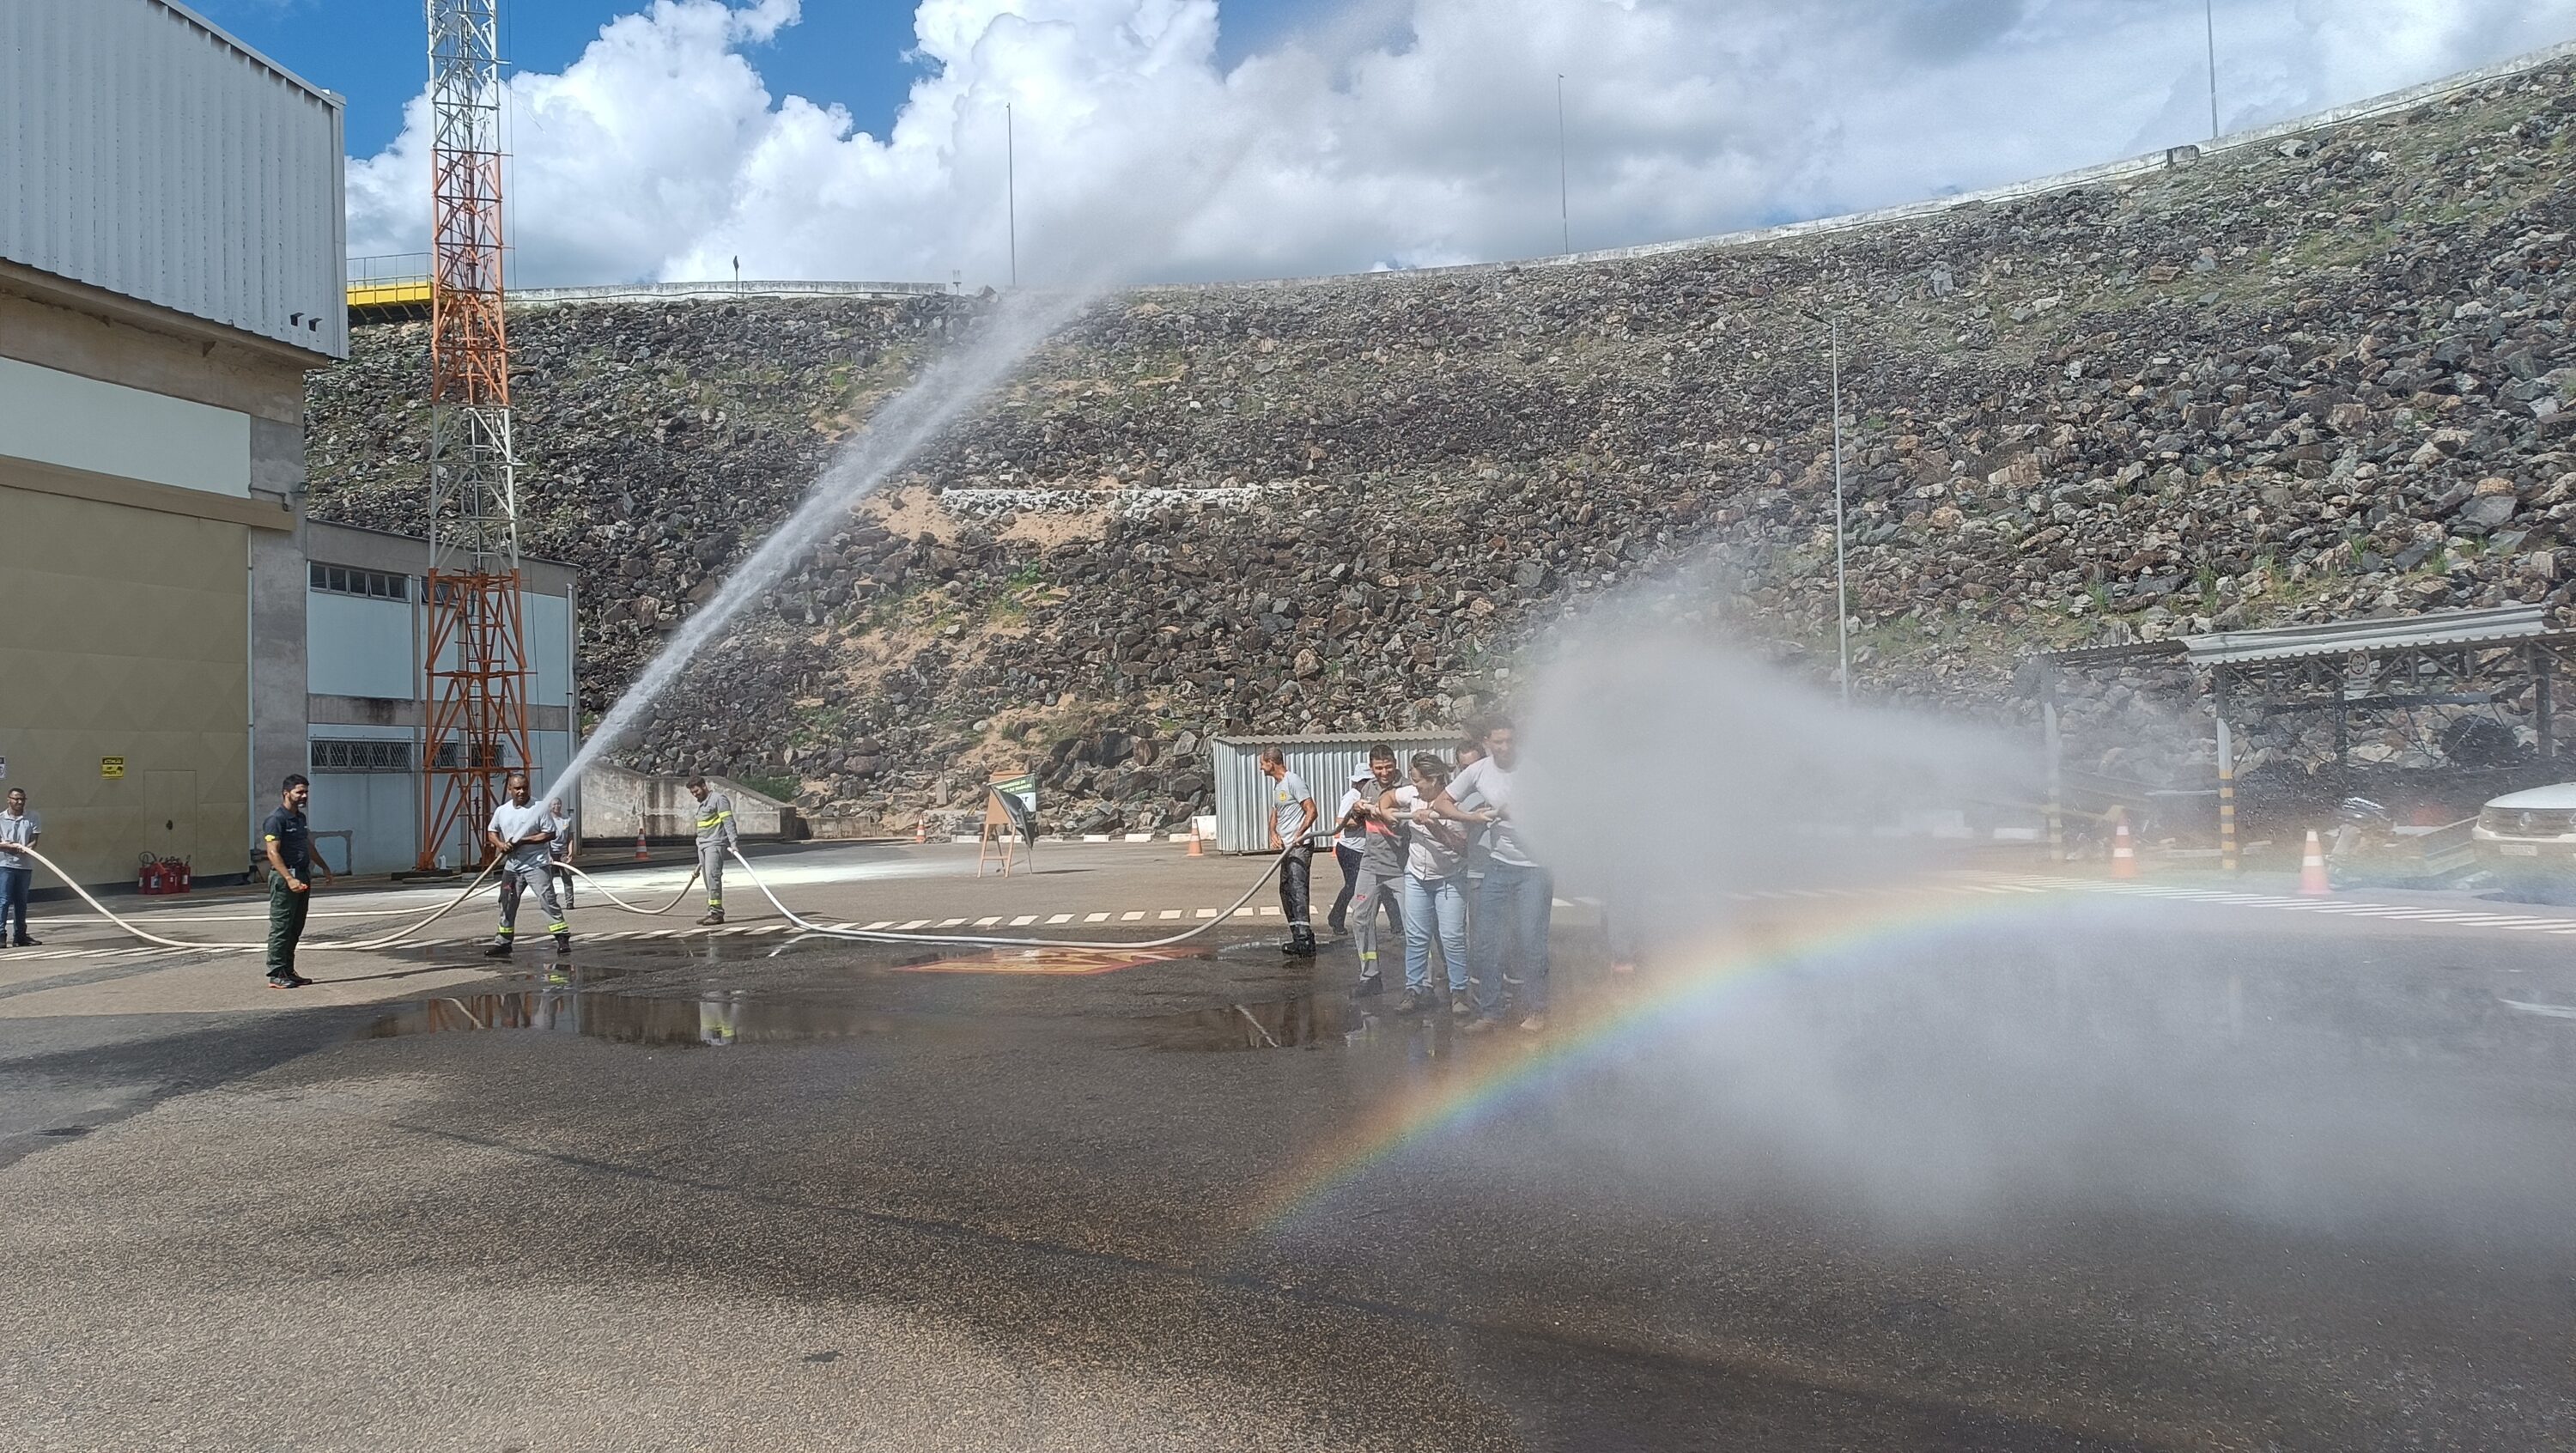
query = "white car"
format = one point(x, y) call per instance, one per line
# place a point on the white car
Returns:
point(2529, 837)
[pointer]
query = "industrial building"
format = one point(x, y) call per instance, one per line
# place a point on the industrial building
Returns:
point(170, 245)
point(366, 624)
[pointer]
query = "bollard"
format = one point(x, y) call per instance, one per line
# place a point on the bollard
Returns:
point(2124, 857)
point(2312, 870)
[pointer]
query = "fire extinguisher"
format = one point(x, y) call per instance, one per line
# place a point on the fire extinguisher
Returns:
point(151, 870)
point(186, 878)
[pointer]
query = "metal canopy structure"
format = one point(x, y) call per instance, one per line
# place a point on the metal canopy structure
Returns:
point(2440, 629)
point(477, 656)
point(2439, 658)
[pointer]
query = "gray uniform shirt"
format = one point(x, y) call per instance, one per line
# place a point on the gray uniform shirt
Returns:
point(1288, 799)
point(22, 830)
point(511, 822)
point(715, 820)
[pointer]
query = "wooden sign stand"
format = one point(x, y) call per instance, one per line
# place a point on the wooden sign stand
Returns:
point(1000, 826)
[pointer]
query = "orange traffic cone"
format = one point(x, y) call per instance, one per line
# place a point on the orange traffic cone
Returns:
point(642, 854)
point(921, 830)
point(1195, 850)
point(2312, 870)
point(2124, 858)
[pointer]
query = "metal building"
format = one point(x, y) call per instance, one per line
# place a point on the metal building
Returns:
point(1325, 763)
point(170, 240)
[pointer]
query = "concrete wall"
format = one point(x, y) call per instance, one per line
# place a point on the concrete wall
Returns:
point(616, 804)
point(140, 613)
point(124, 634)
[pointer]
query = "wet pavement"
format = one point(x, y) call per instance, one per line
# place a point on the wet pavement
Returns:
point(2052, 1173)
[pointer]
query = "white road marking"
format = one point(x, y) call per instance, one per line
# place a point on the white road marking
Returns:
point(1095, 918)
point(1169, 913)
point(1024, 920)
point(1055, 918)
point(1131, 917)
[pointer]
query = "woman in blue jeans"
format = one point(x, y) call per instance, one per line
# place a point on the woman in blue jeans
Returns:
point(1435, 862)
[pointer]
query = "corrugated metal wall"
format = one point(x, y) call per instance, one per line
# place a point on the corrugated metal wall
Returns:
point(145, 152)
point(1326, 763)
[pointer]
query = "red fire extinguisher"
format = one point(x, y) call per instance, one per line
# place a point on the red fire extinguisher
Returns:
point(150, 873)
point(186, 878)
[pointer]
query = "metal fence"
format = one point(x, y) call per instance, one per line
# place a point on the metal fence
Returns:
point(1324, 763)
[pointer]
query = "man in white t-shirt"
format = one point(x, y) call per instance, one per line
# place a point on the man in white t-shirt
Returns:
point(522, 832)
point(1292, 836)
point(1515, 904)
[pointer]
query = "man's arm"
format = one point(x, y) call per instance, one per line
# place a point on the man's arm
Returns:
point(1306, 829)
point(278, 862)
point(1446, 805)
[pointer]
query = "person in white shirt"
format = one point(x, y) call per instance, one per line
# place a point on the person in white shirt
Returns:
point(1292, 836)
point(19, 830)
point(1515, 905)
point(521, 832)
point(1353, 837)
point(1435, 862)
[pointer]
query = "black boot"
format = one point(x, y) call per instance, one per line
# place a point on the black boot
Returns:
point(1300, 944)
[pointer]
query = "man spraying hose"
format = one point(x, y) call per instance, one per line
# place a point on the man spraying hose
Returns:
point(715, 839)
point(520, 831)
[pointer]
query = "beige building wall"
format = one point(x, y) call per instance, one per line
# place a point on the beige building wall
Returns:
point(135, 578)
point(123, 634)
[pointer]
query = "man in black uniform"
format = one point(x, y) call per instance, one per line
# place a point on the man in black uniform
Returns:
point(288, 840)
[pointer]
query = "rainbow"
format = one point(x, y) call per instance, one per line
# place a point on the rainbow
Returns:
point(1491, 1080)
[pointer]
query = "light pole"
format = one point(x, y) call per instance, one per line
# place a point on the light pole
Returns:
point(1842, 577)
point(2209, 25)
point(1564, 215)
point(1011, 186)
point(1842, 585)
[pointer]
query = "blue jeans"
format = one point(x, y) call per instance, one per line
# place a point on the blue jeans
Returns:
point(1516, 903)
point(1434, 906)
point(13, 899)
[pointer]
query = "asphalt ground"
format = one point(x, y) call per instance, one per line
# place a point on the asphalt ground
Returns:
point(1975, 1162)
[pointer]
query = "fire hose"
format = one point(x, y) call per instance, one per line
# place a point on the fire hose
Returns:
point(412, 930)
point(1002, 941)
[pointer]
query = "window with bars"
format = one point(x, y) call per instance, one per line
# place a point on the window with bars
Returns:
point(373, 584)
point(337, 754)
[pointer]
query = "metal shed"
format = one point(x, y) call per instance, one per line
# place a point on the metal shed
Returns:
point(1324, 762)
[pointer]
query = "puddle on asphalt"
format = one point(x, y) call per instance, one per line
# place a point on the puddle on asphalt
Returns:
point(715, 1019)
point(1303, 1021)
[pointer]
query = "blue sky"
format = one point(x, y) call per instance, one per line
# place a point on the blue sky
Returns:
point(847, 51)
point(1191, 139)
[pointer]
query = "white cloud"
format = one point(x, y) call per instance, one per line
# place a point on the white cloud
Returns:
point(1397, 132)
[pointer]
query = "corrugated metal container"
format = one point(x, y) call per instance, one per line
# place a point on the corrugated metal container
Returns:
point(144, 151)
point(1324, 762)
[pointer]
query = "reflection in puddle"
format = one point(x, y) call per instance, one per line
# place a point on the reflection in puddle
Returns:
point(1306, 1021)
point(716, 1018)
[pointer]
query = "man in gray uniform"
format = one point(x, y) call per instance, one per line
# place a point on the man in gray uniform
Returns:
point(520, 831)
point(715, 839)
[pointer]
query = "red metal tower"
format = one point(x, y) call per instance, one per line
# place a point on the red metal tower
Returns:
point(477, 652)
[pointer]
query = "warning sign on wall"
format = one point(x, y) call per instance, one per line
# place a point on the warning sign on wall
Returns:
point(111, 766)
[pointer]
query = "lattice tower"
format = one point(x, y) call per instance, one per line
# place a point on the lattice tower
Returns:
point(477, 656)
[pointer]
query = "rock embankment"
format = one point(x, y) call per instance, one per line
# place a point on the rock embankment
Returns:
point(2323, 377)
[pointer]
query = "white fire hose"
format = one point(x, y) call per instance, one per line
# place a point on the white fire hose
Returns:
point(411, 931)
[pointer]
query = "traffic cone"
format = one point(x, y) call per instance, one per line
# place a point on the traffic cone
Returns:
point(1195, 850)
point(921, 830)
point(2124, 858)
point(2312, 870)
point(641, 853)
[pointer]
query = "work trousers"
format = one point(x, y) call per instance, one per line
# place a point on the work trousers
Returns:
point(1371, 889)
point(287, 910)
point(1295, 870)
point(1512, 917)
point(1348, 860)
point(711, 861)
point(1435, 907)
point(13, 899)
point(529, 875)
